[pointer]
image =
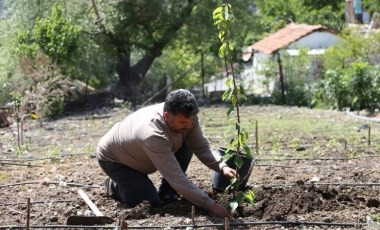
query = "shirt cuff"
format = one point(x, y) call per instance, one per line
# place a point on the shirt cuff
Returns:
point(221, 165)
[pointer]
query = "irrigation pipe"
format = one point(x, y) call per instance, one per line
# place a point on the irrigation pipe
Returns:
point(274, 166)
point(314, 184)
point(37, 202)
point(48, 158)
point(59, 226)
point(18, 164)
point(293, 223)
point(316, 159)
point(351, 114)
point(51, 182)
point(350, 184)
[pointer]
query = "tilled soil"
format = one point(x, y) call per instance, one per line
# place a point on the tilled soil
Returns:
point(338, 192)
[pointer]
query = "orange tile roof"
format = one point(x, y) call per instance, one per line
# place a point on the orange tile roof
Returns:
point(285, 36)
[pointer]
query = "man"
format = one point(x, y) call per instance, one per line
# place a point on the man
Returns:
point(358, 10)
point(159, 137)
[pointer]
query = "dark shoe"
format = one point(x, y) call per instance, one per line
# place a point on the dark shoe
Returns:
point(169, 197)
point(107, 185)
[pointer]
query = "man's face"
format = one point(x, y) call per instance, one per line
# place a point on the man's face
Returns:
point(178, 123)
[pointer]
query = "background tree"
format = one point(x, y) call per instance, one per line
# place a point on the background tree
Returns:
point(144, 45)
point(274, 15)
point(121, 40)
point(351, 79)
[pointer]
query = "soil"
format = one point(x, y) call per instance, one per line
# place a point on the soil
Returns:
point(292, 193)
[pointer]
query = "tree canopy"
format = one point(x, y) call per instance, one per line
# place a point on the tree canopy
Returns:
point(143, 45)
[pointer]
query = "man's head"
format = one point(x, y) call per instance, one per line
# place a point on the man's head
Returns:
point(179, 110)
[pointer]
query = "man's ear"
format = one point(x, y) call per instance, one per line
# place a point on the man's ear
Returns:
point(167, 116)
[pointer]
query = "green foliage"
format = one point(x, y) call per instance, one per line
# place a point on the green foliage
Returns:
point(55, 36)
point(375, 216)
point(240, 197)
point(351, 79)
point(296, 95)
point(276, 14)
point(364, 86)
point(353, 46)
point(100, 42)
point(372, 6)
point(356, 87)
point(299, 73)
point(223, 18)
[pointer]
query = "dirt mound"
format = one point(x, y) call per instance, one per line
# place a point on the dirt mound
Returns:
point(272, 203)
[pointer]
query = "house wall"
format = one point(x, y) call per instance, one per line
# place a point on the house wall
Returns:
point(254, 79)
point(316, 40)
point(256, 83)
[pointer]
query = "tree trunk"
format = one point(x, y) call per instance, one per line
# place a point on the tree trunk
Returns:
point(131, 76)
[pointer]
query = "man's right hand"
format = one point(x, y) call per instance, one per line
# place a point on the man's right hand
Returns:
point(219, 211)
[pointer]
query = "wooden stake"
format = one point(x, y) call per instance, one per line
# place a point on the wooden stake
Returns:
point(345, 144)
point(193, 215)
point(369, 135)
point(28, 214)
point(226, 223)
point(123, 223)
point(257, 139)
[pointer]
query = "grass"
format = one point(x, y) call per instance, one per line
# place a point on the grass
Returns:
point(3, 175)
point(281, 131)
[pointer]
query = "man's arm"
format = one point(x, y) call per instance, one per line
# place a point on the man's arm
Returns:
point(168, 166)
point(220, 211)
point(202, 149)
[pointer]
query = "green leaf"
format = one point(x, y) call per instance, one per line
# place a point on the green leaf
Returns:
point(238, 161)
point(239, 197)
point(223, 50)
point(230, 110)
point(217, 12)
point(234, 101)
point(218, 23)
point(249, 197)
point(221, 35)
point(233, 206)
point(234, 183)
point(226, 15)
point(230, 46)
point(247, 151)
point(237, 126)
point(226, 157)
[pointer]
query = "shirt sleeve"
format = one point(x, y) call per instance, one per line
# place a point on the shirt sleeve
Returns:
point(202, 149)
point(160, 152)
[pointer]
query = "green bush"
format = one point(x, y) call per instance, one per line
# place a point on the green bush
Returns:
point(355, 87)
point(296, 95)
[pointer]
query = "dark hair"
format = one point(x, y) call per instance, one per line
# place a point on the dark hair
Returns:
point(181, 101)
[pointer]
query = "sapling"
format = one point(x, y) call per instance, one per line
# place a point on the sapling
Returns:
point(223, 18)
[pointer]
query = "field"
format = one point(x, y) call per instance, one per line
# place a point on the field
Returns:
point(314, 169)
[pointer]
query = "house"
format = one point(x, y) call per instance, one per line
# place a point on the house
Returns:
point(285, 42)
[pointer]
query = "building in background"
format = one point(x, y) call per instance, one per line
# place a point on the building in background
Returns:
point(284, 43)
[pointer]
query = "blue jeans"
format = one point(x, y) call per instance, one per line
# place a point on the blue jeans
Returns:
point(132, 187)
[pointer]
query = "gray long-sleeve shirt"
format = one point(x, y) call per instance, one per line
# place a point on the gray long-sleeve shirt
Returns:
point(144, 142)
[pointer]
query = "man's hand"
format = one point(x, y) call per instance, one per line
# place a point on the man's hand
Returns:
point(229, 173)
point(219, 211)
